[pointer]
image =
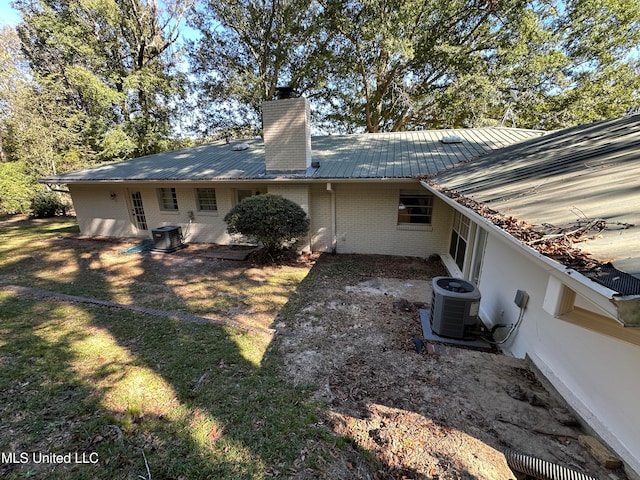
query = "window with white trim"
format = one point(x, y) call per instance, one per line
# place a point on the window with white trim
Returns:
point(167, 199)
point(206, 200)
point(415, 206)
point(459, 238)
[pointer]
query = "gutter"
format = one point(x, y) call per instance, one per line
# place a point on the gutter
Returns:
point(60, 181)
point(625, 309)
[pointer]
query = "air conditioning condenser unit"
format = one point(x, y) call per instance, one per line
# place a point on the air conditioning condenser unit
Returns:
point(167, 239)
point(455, 305)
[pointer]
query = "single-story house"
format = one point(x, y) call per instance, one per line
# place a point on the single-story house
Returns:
point(361, 192)
point(499, 205)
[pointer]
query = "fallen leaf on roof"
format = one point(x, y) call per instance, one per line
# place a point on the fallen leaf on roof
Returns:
point(558, 246)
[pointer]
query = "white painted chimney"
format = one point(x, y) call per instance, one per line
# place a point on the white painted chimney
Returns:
point(286, 124)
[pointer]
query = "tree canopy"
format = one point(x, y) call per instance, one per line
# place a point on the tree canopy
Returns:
point(111, 62)
point(246, 50)
point(106, 79)
point(389, 65)
point(86, 81)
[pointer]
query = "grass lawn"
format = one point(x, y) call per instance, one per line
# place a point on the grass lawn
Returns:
point(136, 396)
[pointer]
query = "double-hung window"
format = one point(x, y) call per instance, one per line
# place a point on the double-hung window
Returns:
point(167, 199)
point(459, 238)
point(206, 200)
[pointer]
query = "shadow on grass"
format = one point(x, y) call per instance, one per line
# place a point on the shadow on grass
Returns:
point(42, 255)
point(146, 397)
point(91, 380)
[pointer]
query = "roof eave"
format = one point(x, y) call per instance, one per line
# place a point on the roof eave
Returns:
point(628, 308)
point(614, 304)
point(269, 179)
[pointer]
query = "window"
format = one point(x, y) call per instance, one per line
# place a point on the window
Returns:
point(167, 199)
point(478, 254)
point(415, 207)
point(206, 199)
point(242, 194)
point(459, 237)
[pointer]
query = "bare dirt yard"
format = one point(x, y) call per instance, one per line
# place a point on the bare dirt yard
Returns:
point(446, 413)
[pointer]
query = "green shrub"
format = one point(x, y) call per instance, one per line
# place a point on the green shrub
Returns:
point(269, 219)
point(47, 204)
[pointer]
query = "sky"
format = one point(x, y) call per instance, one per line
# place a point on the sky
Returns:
point(8, 16)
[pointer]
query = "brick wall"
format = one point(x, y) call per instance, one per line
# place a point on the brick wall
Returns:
point(97, 214)
point(321, 218)
point(287, 134)
point(299, 194)
point(366, 215)
point(367, 222)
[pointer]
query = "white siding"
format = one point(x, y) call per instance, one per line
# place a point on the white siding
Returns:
point(595, 373)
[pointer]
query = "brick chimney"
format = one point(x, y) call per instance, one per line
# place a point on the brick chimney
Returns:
point(286, 125)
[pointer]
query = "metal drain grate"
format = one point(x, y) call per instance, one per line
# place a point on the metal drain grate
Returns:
point(610, 277)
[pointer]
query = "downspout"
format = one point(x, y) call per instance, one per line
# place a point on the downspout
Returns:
point(334, 229)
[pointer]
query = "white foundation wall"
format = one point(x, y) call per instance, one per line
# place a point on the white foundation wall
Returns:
point(596, 374)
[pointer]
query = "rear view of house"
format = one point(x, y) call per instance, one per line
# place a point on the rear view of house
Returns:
point(554, 217)
point(558, 217)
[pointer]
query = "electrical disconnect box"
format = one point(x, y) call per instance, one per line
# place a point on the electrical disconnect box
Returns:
point(522, 298)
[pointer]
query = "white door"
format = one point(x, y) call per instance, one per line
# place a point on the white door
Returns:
point(137, 211)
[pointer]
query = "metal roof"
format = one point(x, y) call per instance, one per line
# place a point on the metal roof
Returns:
point(366, 156)
point(563, 180)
